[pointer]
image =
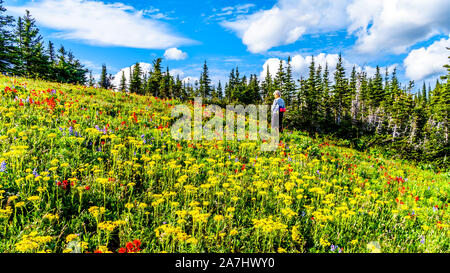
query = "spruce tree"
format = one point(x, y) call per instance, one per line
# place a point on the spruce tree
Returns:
point(267, 87)
point(377, 94)
point(6, 41)
point(155, 78)
point(91, 81)
point(103, 83)
point(289, 83)
point(341, 96)
point(280, 79)
point(205, 82)
point(136, 81)
point(31, 58)
point(219, 91)
point(123, 83)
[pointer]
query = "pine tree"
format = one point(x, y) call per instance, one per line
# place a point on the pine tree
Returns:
point(123, 83)
point(230, 87)
point(31, 58)
point(279, 80)
point(252, 94)
point(155, 78)
point(289, 83)
point(341, 96)
point(91, 81)
point(205, 82)
point(219, 91)
point(6, 41)
point(103, 83)
point(311, 97)
point(136, 81)
point(267, 87)
point(377, 94)
point(51, 52)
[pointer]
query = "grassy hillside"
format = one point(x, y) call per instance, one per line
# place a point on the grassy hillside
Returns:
point(90, 170)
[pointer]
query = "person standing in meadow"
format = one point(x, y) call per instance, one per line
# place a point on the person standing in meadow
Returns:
point(278, 109)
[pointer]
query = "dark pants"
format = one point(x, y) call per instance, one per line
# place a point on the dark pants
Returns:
point(281, 121)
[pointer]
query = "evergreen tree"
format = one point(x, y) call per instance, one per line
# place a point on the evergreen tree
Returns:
point(289, 83)
point(205, 82)
point(6, 39)
point(91, 81)
point(377, 91)
point(136, 81)
point(103, 83)
point(155, 78)
point(51, 52)
point(279, 80)
point(341, 96)
point(219, 91)
point(123, 83)
point(31, 59)
point(267, 87)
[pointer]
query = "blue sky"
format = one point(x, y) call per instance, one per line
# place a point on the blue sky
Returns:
point(249, 34)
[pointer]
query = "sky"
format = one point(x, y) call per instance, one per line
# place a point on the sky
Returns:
point(410, 35)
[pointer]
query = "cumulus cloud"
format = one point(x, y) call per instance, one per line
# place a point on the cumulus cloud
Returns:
point(190, 80)
point(145, 68)
point(104, 24)
point(287, 21)
point(426, 62)
point(175, 54)
point(300, 65)
point(384, 26)
point(393, 26)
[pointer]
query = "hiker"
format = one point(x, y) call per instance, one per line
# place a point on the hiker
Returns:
point(278, 109)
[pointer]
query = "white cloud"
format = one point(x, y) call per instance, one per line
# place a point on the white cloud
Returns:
point(176, 72)
point(190, 80)
point(287, 21)
point(145, 68)
point(175, 54)
point(392, 26)
point(424, 62)
point(382, 26)
point(300, 65)
point(104, 24)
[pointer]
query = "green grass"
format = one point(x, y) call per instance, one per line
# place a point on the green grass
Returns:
point(87, 169)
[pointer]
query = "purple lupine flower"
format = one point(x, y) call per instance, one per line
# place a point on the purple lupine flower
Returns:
point(332, 248)
point(3, 167)
point(422, 241)
point(35, 172)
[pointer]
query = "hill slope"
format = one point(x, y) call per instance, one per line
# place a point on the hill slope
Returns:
point(85, 169)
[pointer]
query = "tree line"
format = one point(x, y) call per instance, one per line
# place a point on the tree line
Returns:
point(22, 52)
point(374, 110)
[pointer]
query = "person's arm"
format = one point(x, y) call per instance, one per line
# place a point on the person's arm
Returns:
point(275, 107)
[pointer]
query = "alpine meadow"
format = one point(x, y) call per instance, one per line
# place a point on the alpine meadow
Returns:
point(88, 162)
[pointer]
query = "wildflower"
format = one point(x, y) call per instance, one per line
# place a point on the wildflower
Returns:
point(71, 237)
point(3, 167)
point(33, 198)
